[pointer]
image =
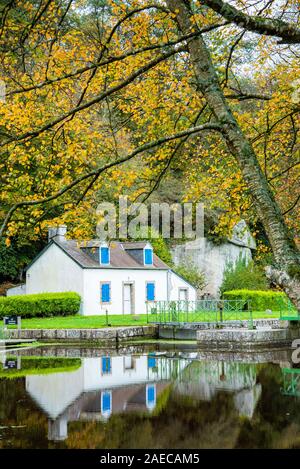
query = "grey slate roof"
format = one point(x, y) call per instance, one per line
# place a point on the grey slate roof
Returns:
point(119, 258)
point(134, 244)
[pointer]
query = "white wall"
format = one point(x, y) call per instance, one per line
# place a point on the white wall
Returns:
point(18, 290)
point(177, 282)
point(55, 391)
point(163, 291)
point(54, 271)
point(95, 379)
point(93, 277)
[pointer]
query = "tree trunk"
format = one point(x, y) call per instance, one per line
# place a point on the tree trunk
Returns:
point(286, 254)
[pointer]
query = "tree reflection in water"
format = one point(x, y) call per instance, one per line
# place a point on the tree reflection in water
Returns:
point(150, 401)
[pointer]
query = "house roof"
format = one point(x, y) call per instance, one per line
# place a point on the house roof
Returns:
point(119, 257)
point(135, 244)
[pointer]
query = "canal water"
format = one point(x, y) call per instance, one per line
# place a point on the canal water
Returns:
point(54, 397)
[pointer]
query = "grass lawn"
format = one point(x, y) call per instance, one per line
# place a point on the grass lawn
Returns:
point(82, 322)
point(88, 322)
point(40, 366)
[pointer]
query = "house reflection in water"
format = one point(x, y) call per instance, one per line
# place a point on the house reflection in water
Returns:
point(116, 384)
point(101, 387)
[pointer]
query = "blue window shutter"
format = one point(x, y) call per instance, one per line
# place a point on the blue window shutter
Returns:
point(106, 365)
point(151, 361)
point(106, 402)
point(148, 256)
point(105, 292)
point(150, 291)
point(151, 394)
point(104, 255)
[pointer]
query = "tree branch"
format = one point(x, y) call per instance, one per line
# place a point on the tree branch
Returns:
point(245, 96)
point(140, 71)
point(257, 24)
point(292, 206)
point(114, 58)
point(98, 171)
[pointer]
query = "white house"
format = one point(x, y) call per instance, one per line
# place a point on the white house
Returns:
point(117, 278)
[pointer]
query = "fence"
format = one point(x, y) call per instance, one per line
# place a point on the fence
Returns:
point(288, 311)
point(3, 332)
point(216, 311)
point(291, 382)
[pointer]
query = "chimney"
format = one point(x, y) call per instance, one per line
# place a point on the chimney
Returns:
point(57, 233)
point(58, 429)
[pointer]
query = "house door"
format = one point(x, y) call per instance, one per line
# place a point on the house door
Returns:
point(127, 298)
point(183, 294)
point(183, 299)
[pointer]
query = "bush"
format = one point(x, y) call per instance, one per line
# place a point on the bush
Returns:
point(260, 300)
point(244, 276)
point(40, 305)
point(41, 366)
point(191, 274)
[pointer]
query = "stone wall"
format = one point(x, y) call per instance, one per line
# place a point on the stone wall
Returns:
point(243, 339)
point(109, 334)
point(247, 339)
point(188, 331)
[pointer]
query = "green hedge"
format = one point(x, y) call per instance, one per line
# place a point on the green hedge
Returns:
point(41, 366)
point(260, 300)
point(40, 305)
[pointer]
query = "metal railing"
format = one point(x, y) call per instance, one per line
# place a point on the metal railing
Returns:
point(291, 382)
point(287, 310)
point(3, 333)
point(199, 311)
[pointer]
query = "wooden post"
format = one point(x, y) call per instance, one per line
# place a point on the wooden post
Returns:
point(19, 327)
point(4, 328)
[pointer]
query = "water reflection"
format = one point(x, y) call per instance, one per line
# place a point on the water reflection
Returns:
point(175, 393)
point(203, 380)
point(101, 387)
point(291, 382)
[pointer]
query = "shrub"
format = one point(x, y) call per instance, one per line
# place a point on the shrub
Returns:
point(260, 300)
point(41, 366)
point(244, 276)
point(40, 305)
point(191, 274)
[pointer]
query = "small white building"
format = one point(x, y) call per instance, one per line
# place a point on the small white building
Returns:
point(117, 278)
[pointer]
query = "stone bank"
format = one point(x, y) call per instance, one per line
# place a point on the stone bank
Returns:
point(105, 334)
point(249, 339)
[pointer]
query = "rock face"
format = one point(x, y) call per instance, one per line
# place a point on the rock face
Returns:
point(213, 259)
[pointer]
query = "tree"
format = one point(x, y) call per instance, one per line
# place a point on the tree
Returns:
point(243, 276)
point(192, 274)
point(168, 69)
